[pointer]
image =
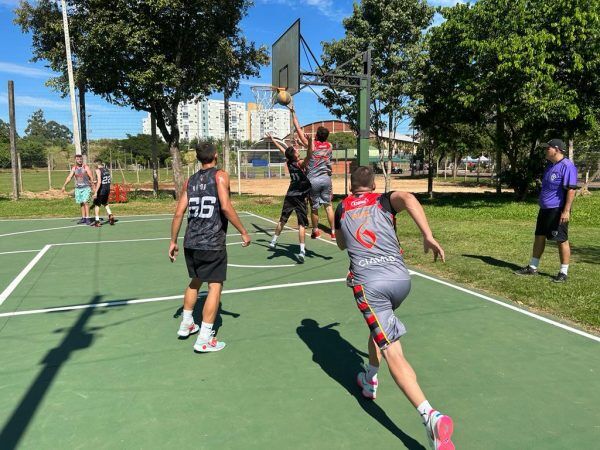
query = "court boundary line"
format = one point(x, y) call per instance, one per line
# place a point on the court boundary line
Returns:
point(17, 280)
point(481, 296)
point(161, 299)
point(73, 218)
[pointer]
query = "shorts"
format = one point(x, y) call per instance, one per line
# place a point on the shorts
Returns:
point(377, 301)
point(320, 191)
point(206, 265)
point(83, 194)
point(101, 199)
point(548, 224)
point(295, 203)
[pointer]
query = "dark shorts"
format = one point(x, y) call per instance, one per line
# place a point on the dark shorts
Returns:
point(101, 199)
point(295, 203)
point(548, 224)
point(377, 301)
point(206, 265)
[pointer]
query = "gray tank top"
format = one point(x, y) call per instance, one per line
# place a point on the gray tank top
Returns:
point(319, 163)
point(207, 227)
point(82, 179)
point(367, 222)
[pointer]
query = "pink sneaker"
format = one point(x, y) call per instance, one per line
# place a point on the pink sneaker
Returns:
point(208, 345)
point(369, 388)
point(315, 234)
point(439, 431)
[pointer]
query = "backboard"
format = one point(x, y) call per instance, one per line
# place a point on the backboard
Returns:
point(285, 60)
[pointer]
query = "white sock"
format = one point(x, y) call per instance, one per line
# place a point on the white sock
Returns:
point(97, 218)
point(535, 262)
point(424, 410)
point(372, 372)
point(302, 248)
point(187, 315)
point(108, 209)
point(274, 240)
point(564, 268)
point(206, 330)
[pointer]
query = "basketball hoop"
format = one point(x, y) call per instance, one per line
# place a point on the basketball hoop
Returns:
point(265, 96)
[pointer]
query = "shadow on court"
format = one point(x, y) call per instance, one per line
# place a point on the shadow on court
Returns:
point(500, 263)
point(197, 314)
point(342, 361)
point(77, 337)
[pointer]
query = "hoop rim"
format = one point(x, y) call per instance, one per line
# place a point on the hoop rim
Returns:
point(265, 95)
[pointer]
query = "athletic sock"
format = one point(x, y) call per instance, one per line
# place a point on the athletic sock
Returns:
point(564, 268)
point(372, 372)
point(187, 315)
point(274, 240)
point(97, 218)
point(424, 410)
point(205, 330)
point(534, 263)
point(108, 210)
point(302, 248)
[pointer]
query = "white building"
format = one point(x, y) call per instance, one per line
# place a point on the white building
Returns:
point(273, 121)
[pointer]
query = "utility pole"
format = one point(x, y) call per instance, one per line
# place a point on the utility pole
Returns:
point(154, 155)
point(13, 140)
point(364, 107)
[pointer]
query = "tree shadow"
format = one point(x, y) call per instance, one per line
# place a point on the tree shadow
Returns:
point(77, 337)
point(341, 361)
point(500, 263)
point(472, 199)
point(586, 254)
point(197, 314)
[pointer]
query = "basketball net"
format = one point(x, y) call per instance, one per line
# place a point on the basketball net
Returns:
point(265, 96)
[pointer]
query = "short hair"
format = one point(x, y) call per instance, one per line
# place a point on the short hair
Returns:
point(362, 177)
point(290, 154)
point(322, 134)
point(99, 162)
point(206, 152)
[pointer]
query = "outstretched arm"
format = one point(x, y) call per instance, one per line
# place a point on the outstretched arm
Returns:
point(309, 151)
point(301, 136)
point(228, 209)
point(405, 201)
point(277, 144)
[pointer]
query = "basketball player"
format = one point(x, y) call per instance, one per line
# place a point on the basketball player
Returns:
point(319, 175)
point(206, 197)
point(295, 198)
point(83, 187)
point(101, 193)
point(380, 281)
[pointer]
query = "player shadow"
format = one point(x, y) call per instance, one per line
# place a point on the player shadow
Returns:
point(500, 263)
point(341, 361)
point(197, 314)
point(78, 337)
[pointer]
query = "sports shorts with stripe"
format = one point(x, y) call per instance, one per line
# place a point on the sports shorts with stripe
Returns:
point(320, 191)
point(377, 301)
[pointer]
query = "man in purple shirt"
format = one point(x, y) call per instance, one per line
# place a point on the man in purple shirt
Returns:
point(558, 191)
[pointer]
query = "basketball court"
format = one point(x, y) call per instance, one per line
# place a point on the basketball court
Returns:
point(90, 356)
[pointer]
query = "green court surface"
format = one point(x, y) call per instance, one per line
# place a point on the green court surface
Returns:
point(90, 358)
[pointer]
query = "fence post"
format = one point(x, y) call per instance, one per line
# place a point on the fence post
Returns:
point(13, 140)
point(20, 172)
point(49, 173)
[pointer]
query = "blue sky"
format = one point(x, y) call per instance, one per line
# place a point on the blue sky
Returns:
point(321, 21)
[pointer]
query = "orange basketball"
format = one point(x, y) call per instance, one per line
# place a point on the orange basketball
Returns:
point(284, 98)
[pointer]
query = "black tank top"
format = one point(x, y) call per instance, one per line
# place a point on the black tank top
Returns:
point(299, 184)
point(207, 227)
point(105, 180)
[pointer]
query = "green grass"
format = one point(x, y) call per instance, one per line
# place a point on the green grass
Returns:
point(485, 237)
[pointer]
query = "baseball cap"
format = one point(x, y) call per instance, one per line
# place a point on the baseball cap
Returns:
point(556, 143)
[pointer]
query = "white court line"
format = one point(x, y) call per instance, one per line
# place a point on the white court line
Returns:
point(20, 251)
point(161, 299)
point(74, 218)
point(484, 297)
point(11, 287)
point(261, 267)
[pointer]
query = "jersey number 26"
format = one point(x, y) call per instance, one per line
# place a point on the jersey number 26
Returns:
point(204, 208)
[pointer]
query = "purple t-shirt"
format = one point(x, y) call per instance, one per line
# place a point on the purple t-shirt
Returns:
point(558, 178)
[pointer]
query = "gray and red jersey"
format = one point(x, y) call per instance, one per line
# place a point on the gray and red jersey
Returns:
point(319, 163)
point(207, 226)
point(82, 179)
point(367, 222)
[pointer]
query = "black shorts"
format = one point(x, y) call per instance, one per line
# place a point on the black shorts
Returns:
point(206, 265)
point(295, 203)
point(101, 199)
point(548, 224)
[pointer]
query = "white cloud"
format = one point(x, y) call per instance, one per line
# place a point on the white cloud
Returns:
point(445, 2)
point(26, 71)
point(325, 7)
point(9, 3)
point(48, 103)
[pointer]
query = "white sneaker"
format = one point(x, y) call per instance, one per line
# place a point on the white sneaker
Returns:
point(369, 388)
point(439, 430)
point(272, 245)
point(301, 257)
point(208, 345)
point(187, 328)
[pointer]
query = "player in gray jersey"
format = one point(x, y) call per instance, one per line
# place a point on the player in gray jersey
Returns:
point(83, 187)
point(206, 198)
point(365, 222)
point(102, 192)
point(318, 171)
point(295, 198)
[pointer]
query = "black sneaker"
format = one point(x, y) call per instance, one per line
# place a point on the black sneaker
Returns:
point(97, 224)
point(560, 278)
point(111, 219)
point(527, 270)
point(81, 221)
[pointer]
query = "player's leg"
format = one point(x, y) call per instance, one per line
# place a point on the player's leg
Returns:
point(314, 200)
point(190, 297)
point(327, 197)
point(286, 210)
point(367, 380)
point(302, 217)
point(330, 219)
point(111, 218)
point(561, 235)
point(206, 341)
point(542, 229)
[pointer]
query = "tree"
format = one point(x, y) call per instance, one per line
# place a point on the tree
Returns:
point(394, 31)
point(155, 55)
point(51, 132)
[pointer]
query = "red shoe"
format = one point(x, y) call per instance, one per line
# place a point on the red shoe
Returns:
point(315, 234)
point(333, 236)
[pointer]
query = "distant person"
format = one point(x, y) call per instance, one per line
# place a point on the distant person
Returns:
point(380, 282)
point(558, 191)
point(295, 197)
point(101, 193)
point(319, 175)
point(206, 197)
point(83, 187)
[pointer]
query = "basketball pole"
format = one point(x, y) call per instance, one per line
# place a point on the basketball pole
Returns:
point(364, 106)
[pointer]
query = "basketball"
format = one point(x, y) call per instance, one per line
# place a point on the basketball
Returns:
point(284, 98)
